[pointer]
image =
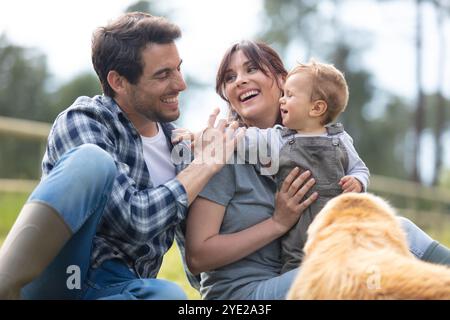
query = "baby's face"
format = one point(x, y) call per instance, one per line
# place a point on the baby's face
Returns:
point(296, 102)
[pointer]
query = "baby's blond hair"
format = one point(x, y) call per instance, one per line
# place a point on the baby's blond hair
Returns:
point(328, 84)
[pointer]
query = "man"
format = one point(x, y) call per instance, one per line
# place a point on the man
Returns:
point(111, 198)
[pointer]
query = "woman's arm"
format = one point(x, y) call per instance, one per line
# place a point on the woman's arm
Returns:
point(207, 249)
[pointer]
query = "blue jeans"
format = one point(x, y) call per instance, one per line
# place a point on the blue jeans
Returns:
point(278, 287)
point(78, 188)
point(114, 281)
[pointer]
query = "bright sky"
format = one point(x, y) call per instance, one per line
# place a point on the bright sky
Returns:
point(62, 30)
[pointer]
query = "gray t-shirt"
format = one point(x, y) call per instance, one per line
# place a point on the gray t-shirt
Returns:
point(249, 199)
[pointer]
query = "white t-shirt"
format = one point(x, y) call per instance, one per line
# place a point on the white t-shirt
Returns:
point(157, 158)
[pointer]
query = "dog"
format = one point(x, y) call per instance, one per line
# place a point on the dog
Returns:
point(356, 249)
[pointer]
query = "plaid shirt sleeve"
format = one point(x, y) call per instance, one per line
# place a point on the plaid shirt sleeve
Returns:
point(136, 216)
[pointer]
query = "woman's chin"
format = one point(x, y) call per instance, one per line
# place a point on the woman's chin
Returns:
point(255, 108)
point(251, 112)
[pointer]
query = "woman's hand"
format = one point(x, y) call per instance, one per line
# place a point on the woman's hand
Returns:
point(288, 205)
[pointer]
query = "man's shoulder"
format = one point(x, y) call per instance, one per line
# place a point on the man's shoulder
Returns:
point(97, 106)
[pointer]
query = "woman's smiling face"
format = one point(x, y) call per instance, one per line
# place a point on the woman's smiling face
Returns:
point(250, 92)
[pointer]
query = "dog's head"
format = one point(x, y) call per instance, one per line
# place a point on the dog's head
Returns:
point(361, 216)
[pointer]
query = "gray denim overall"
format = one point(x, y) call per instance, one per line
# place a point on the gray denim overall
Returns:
point(327, 159)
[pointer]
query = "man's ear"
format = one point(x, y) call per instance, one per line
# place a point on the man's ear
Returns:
point(318, 109)
point(116, 82)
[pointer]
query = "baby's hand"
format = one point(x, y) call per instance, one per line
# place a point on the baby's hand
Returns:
point(180, 134)
point(350, 184)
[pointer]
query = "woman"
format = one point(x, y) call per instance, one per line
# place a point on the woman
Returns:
point(234, 226)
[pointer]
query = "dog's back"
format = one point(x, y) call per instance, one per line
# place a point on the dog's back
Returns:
point(356, 249)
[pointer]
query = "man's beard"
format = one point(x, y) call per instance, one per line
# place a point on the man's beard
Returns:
point(157, 116)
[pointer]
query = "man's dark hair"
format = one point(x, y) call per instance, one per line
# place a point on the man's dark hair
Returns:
point(118, 46)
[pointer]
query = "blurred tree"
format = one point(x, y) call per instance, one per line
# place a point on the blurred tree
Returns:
point(23, 77)
point(23, 94)
point(291, 21)
point(85, 84)
point(152, 7)
point(142, 6)
point(442, 9)
point(370, 128)
point(420, 102)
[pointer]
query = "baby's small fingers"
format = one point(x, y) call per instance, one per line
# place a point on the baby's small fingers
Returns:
point(346, 185)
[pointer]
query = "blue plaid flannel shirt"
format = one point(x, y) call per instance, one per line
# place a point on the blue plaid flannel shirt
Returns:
point(140, 221)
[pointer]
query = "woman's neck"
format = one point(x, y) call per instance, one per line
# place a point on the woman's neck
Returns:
point(262, 122)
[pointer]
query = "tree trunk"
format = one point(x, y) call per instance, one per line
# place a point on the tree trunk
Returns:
point(419, 115)
point(440, 108)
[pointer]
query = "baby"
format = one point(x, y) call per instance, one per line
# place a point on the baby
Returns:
point(314, 95)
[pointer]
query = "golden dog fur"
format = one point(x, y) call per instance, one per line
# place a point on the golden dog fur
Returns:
point(356, 249)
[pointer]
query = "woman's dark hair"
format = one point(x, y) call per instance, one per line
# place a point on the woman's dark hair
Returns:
point(260, 54)
point(118, 46)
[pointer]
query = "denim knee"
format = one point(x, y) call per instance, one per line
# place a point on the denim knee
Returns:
point(418, 240)
point(98, 165)
point(410, 228)
point(168, 290)
point(90, 166)
point(407, 225)
point(78, 185)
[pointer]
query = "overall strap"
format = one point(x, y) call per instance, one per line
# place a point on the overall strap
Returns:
point(286, 132)
point(333, 130)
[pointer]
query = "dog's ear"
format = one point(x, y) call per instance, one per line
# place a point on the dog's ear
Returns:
point(323, 219)
point(356, 209)
point(350, 206)
point(359, 206)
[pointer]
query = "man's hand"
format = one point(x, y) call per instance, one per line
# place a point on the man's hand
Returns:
point(215, 145)
point(350, 184)
point(212, 148)
point(180, 134)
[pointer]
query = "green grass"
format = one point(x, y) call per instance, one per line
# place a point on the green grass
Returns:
point(172, 268)
point(10, 204)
